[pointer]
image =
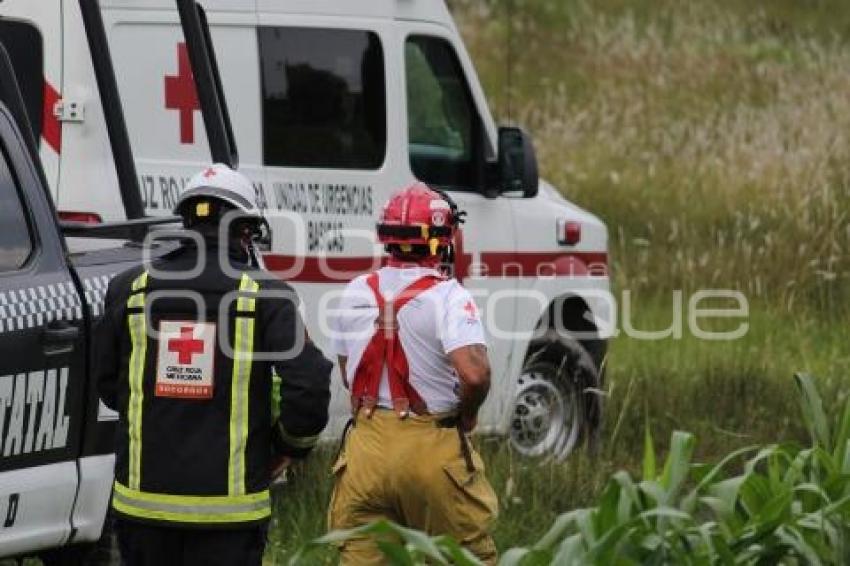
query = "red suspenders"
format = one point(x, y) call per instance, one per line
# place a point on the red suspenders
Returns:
point(385, 348)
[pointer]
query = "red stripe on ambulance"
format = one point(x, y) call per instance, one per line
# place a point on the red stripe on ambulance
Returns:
point(544, 264)
point(315, 269)
point(51, 128)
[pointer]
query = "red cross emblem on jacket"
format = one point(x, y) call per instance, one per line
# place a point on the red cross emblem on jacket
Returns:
point(186, 346)
point(385, 349)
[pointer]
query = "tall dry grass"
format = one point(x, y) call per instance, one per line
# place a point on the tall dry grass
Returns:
point(714, 145)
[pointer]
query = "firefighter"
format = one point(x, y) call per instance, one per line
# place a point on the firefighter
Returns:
point(412, 353)
point(188, 353)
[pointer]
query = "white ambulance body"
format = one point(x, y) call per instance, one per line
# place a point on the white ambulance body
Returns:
point(334, 105)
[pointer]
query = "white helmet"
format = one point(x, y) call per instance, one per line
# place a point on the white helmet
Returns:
point(222, 183)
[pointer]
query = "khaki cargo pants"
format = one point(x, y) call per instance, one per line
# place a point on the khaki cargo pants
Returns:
point(412, 472)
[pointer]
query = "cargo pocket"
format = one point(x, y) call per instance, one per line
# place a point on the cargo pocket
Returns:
point(476, 502)
point(335, 516)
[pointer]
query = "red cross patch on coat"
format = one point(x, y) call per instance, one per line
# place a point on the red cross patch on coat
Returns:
point(185, 359)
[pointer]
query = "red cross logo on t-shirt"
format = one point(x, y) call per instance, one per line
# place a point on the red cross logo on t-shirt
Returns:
point(180, 95)
point(186, 346)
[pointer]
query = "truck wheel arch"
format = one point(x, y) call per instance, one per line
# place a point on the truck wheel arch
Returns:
point(561, 379)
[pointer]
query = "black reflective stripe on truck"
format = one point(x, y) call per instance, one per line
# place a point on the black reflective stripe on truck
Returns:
point(95, 290)
point(31, 307)
point(22, 309)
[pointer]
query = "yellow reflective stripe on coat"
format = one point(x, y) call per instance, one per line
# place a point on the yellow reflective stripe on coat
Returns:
point(191, 508)
point(243, 348)
point(276, 383)
point(138, 338)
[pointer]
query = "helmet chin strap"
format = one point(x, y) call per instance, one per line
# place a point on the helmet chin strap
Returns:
point(256, 257)
point(251, 240)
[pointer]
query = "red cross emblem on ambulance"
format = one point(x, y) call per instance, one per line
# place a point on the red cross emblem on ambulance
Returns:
point(181, 95)
point(185, 359)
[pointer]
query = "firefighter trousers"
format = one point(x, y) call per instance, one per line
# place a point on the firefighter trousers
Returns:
point(144, 544)
point(417, 473)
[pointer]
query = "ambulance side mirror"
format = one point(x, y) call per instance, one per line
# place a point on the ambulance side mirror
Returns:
point(517, 163)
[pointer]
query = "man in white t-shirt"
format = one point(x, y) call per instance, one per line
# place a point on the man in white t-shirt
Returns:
point(412, 352)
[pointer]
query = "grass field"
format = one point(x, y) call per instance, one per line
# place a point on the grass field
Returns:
point(712, 137)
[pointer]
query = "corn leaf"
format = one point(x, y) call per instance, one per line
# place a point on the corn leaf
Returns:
point(514, 557)
point(649, 461)
point(813, 413)
point(678, 463)
point(395, 553)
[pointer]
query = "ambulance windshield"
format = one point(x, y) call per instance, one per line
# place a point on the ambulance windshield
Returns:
point(442, 122)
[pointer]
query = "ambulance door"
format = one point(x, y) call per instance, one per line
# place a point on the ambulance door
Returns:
point(42, 362)
point(330, 157)
point(32, 34)
point(449, 140)
point(161, 104)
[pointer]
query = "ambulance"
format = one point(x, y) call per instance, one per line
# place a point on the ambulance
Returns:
point(329, 106)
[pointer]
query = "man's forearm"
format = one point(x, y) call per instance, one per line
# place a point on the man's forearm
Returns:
point(473, 370)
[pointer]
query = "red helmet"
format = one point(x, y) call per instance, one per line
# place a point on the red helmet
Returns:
point(418, 215)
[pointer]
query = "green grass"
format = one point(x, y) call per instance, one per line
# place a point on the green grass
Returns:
point(713, 136)
point(777, 503)
point(729, 395)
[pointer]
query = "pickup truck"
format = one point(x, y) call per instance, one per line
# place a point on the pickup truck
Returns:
point(56, 437)
point(56, 459)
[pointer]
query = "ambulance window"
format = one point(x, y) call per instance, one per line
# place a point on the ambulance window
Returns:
point(23, 43)
point(324, 101)
point(443, 126)
point(15, 240)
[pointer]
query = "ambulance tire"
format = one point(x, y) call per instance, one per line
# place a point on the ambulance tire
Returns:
point(104, 552)
point(556, 402)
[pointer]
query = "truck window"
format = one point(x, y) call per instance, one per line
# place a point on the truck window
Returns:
point(324, 98)
point(15, 239)
point(443, 125)
point(23, 43)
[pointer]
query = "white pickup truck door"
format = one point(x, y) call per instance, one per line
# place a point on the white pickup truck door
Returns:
point(42, 362)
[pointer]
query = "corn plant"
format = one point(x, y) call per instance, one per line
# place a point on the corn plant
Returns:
point(779, 503)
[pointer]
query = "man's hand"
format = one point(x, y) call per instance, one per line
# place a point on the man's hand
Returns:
point(468, 424)
point(278, 466)
point(473, 369)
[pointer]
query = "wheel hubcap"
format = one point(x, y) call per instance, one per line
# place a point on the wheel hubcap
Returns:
point(542, 418)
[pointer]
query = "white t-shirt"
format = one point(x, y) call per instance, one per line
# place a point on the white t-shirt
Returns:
point(435, 323)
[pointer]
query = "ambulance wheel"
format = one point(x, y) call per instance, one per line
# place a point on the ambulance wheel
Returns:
point(555, 402)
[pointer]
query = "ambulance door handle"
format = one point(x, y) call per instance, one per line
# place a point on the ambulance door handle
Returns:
point(59, 337)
